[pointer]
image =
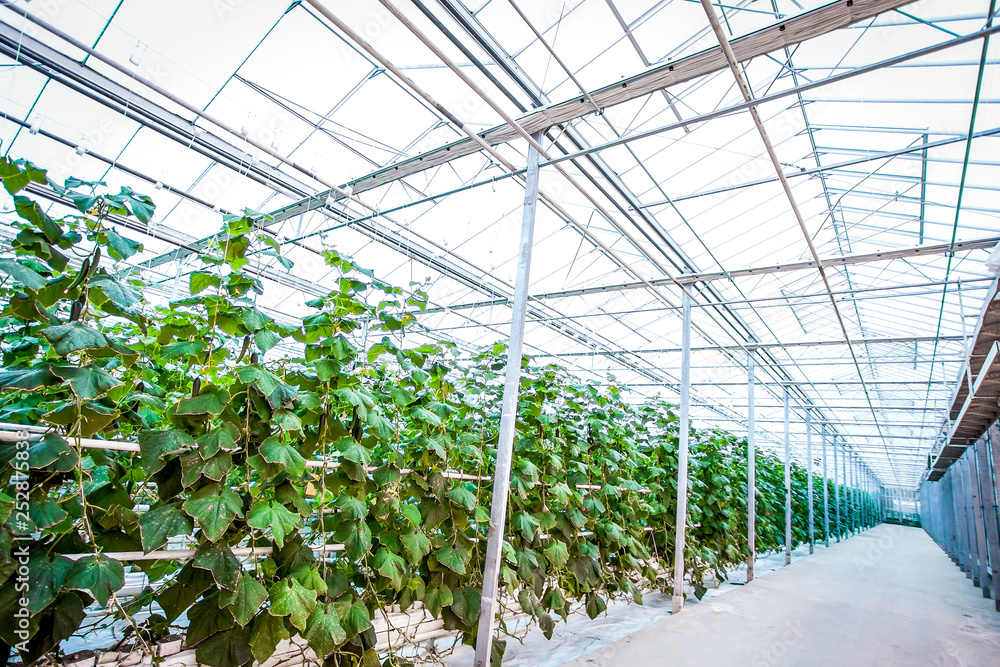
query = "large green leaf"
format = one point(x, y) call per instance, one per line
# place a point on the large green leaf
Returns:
point(436, 597)
point(324, 632)
point(155, 445)
point(454, 558)
point(50, 449)
point(391, 566)
point(265, 634)
point(358, 618)
point(230, 648)
point(16, 174)
point(22, 274)
point(273, 450)
point(273, 515)
point(87, 382)
point(210, 400)
point(121, 247)
point(292, 599)
point(33, 213)
point(350, 450)
point(416, 546)
point(180, 349)
point(214, 507)
point(159, 523)
point(246, 600)
point(222, 438)
point(118, 293)
point(72, 337)
point(466, 604)
point(274, 390)
point(45, 513)
point(206, 618)
point(462, 496)
point(99, 575)
point(557, 554)
point(218, 559)
point(357, 538)
point(28, 378)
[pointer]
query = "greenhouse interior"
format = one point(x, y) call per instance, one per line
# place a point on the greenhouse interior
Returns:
point(384, 333)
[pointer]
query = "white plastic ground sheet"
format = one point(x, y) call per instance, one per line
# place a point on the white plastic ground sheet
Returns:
point(580, 635)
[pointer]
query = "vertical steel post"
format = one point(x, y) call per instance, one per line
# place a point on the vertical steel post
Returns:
point(990, 473)
point(788, 486)
point(751, 472)
point(508, 418)
point(677, 603)
point(809, 480)
point(985, 575)
point(836, 487)
point(826, 493)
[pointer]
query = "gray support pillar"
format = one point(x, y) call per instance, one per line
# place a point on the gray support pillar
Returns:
point(809, 480)
point(826, 493)
point(977, 536)
point(751, 472)
point(508, 418)
point(992, 492)
point(836, 488)
point(677, 603)
point(990, 551)
point(788, 487)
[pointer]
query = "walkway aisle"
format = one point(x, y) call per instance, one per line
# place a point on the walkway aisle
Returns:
point(887, 597)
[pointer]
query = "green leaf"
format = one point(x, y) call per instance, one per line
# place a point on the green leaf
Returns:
point(381, 426)
point(15, 179)
point(324, 632)
point(265, 635)
point(246, 600)
point(557, 554)
point(437, 597)
point(201, 279)
point(352, 508)
point(211, 400)
point(292, 599)
point(22, 274)
point(595, 605)
point(274, 390)
point(117, 292)
point(466, 604)
point(391, 566)
point(49, 449)
point(31, 378)
point(33, 213)
point(425, 415)
point(230, 648)
point(87, 382)
point(218, 559)
point(357, 539)
point(462, 496)
point(215, 507)
point(159, 523)
point(99, 575)
point(187, 348)
point(155, 445)
point(546, 624)
point(273, 515)
point(219, 439)
point(205, 619)
point(525, 523)
point(67, 338)
point(350, 450)
point(358, 619)
point(253, 319)
point(412, 514)
point(266, 339)
point(121, 247)
point(45, 513)
point(453, 558)
point(273, 450)
point(416, 546)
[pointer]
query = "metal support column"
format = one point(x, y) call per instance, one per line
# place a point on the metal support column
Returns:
point(508, 418)
point(751, 472)
point(826, 492)
point(677, 603)
point(991, 444)
point(987, 537)
point(788, 486)
point(809, 480)
point(836, 488)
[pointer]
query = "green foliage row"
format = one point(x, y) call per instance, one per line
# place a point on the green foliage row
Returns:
point(254, 432)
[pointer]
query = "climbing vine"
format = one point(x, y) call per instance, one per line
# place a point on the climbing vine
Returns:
point(321, 471)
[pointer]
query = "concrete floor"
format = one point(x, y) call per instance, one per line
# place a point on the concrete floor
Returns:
point(889, 596)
